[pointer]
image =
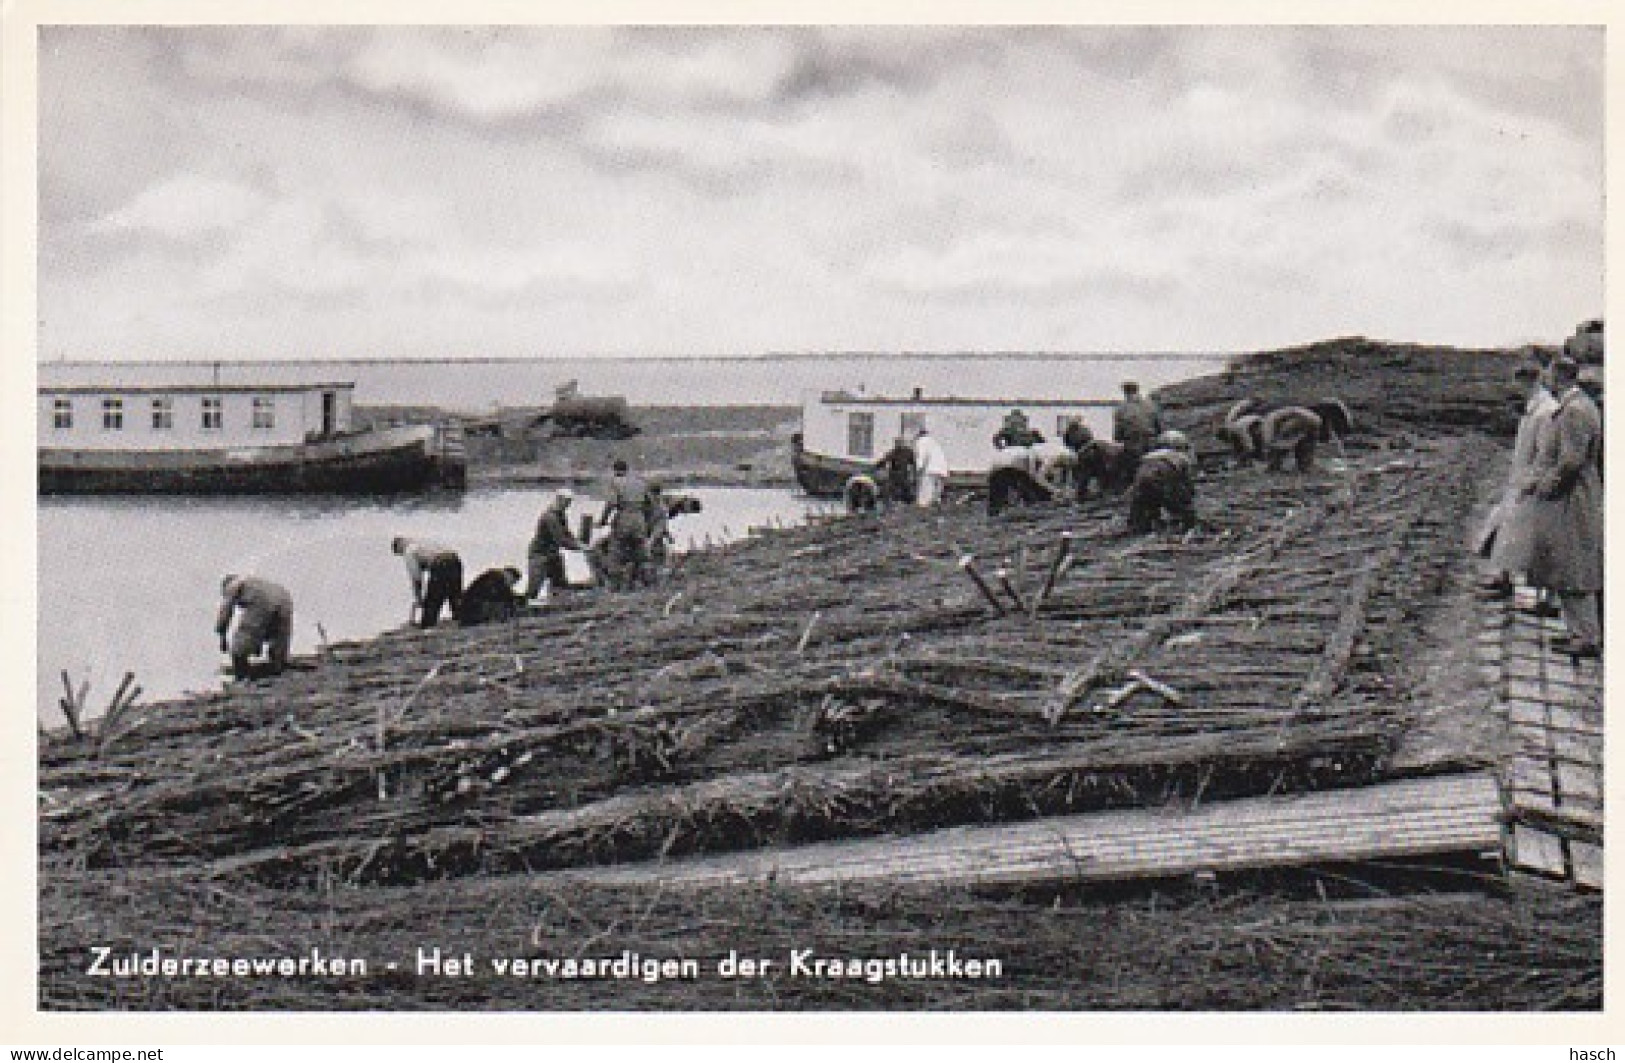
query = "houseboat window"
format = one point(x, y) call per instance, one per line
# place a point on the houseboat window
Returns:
point(264, 413)
point(113, 415)
point(213, 415)
point(62, 414)
point(911, 425)
point(860, 435)
point(163, 414)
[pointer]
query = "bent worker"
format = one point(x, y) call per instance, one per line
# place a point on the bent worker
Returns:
point(264, 613)
point(1164, 490)
point(626, 515)
point(1243, 430)
point(1099, 461)
point(862, 494)
point(545, 558)
point(436, 575)
point(1136, 423)
point(1291, 430)
point(1025, 475)
point(493, 596)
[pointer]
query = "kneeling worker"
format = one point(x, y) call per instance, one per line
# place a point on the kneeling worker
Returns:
point(491, 598)
point(1164, 483)
point(264, 621)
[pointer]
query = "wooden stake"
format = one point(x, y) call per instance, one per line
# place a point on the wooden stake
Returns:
point(1063, 555)
point(70, 706)
point(1167, 692)
point(967, 565)
point(806, 636)
point(1003, 576)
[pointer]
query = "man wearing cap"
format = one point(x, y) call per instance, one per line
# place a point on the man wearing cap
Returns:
point(626, 515)
point(547, 546)
point(1136, 423)
point(436, 575)
point(1566, 554)
point(264, 621)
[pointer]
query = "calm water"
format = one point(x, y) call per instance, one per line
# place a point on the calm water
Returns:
point(474, 386)
point(132, 584)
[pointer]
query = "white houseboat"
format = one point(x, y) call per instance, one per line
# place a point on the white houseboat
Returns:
point(843, 433)
point(215, 438)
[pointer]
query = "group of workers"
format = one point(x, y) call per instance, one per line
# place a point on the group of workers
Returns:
point(630, 553)
point(1547, 527)
point(1154, 464)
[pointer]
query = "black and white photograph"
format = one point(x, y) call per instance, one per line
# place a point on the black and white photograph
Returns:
point(817, 518)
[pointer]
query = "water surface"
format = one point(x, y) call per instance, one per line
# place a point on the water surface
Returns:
point(132, 584)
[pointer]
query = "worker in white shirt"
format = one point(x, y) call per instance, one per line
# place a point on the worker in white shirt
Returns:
point(932, 465)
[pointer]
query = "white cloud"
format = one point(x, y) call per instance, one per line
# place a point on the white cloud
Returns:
point(183, 207)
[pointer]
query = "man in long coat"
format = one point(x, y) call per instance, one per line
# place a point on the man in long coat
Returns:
point(1566, 516)
point(1507, 537)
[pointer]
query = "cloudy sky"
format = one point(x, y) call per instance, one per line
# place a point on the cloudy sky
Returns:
point(414, 192)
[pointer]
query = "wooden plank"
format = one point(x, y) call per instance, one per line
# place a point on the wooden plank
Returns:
point(1583, 808)
point(1576, 783)
point(1587, 861)
point(1413, 817)
point(1537, 851)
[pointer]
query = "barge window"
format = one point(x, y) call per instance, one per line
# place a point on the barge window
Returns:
point(113, 415)
point(214, 417)
point(62, 414)
point(264, 413)
point(163, 414)
point(911, 424)
point(860, 435)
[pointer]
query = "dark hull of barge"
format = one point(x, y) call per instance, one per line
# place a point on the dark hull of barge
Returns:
point(388, 461)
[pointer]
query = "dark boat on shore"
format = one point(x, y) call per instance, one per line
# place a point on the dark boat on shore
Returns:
point(407, 458)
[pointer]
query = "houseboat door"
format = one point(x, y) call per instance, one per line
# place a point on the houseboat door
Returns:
point(330, 412)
